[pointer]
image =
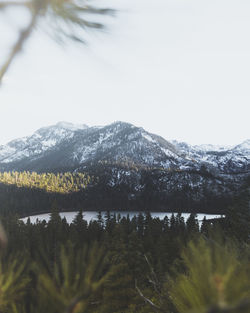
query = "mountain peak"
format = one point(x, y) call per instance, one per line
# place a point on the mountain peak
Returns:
point(72, 145)
point(121, 124)
point(60, 128)
point(244, 146)
point(71, 126)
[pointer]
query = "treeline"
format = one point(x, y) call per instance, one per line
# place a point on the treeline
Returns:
point(109, 188)
point(27, 201)
point(58, 183)
point(122, 265)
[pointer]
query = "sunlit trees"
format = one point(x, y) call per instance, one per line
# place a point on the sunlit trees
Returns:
point(50, 182)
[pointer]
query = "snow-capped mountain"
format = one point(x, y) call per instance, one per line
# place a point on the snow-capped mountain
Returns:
point(41, 141)
point(133, 168)
point(66, 145)
point(224, 159)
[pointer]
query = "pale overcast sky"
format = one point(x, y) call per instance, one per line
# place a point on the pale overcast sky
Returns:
point(178, 68)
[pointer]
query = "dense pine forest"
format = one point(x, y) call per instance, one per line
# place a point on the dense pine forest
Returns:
point(124, 265)
point(117, 264)
point(50, 182)
point(27, 193)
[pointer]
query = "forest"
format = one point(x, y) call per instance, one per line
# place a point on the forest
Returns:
point(124, 265)
point(50, 182)
point(27, 193)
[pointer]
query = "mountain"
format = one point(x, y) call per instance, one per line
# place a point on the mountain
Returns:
point(224, 159)
point(66, 145)
point(40, 142)
point(134, 163)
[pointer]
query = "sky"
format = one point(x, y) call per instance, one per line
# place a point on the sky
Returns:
point(177, 68)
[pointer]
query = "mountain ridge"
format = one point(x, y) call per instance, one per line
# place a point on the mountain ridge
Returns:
point(118, 141)
point(133, 169)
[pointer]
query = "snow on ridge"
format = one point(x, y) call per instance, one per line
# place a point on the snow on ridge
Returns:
point(48, 143)
point(128, 140)
point(168, 153)
point(60, 128)
point(148, 137)
point(5, 151)
point(105, 136)
point(245, 145)
point(43, 139)
point(210, 147)
point(8, 151)
point(71, 126)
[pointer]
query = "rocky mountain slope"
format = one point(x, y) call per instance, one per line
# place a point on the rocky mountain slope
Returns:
point(133, 165)
point(65, 145)
point(224, 159)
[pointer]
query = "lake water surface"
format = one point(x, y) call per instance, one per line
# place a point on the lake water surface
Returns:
point(92, 215)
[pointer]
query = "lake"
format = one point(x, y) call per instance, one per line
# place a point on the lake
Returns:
point(92, 215)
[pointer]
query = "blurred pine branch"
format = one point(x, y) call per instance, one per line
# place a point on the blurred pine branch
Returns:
point(64, 19)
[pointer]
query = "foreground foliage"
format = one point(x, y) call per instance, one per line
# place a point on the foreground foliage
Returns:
point(217, 276)
point(119, 265)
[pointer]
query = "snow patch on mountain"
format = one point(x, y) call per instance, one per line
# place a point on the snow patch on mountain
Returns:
point(71, 126)
point(244, 146)
point(209, 147)
point(42, 140)
point(76, 145)
point(149, 138)
point(227, 159)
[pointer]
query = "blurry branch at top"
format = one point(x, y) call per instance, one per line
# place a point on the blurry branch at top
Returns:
point(64, 20)
point(4, 5)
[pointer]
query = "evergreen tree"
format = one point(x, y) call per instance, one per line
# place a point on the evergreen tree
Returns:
point(216, 278)
point(76, 277)
point(238, 216)
point(192, 223)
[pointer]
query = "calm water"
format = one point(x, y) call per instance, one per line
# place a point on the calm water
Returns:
point(92, 215)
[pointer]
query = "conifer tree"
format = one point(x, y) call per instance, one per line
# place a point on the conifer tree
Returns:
point(13, 284)
point(192, 223)
point(238, 216)
point(216, 279)
point(75, 279)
